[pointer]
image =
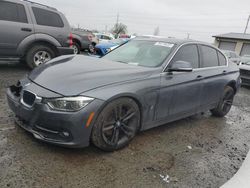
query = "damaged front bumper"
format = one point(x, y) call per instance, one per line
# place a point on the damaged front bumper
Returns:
point(61, 128)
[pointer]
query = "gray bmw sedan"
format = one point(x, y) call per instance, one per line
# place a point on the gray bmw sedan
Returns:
point(147, 82)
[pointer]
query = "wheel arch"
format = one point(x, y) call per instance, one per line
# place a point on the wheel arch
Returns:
point(45, 43)
point(36, 39)
point(77, 42)
point(232, 84)
point(123, 95)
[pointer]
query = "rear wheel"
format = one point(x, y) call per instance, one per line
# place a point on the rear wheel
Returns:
point(76, 48)
point(116, 125)
point(91, 48)
point(39, 55)
point(225, 103)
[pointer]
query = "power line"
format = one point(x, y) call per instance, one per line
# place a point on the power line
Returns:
point(247, 24)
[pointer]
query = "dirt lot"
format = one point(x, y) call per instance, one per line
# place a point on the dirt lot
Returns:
point(200, 151)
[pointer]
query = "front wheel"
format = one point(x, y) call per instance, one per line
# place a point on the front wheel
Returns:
point(116, 125)
point(225, 103)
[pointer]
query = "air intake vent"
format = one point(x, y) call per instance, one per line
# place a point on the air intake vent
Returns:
point(28, 98)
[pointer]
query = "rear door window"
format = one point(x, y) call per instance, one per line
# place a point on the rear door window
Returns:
point(209, 56)
point(12, 12)
point(188, 53)
point(47, 18)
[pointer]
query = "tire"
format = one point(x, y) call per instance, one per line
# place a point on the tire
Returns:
point(76, 47)
point(225, 103)
point(34, 52)
point(91, 48)
point(116, 125)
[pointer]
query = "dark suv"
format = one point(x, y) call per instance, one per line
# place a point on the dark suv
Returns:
point(32, 32)
point(83, 40)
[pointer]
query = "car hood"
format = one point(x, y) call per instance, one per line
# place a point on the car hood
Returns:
point(73, 75)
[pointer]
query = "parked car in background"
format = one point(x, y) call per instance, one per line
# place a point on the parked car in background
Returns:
point(32, 32)
point(104, 37)
point(245, 59)
point(84, 40)
point(124, 36)
point(245, 72)
point(232, 56)
point(104, 47)
point(147, 82)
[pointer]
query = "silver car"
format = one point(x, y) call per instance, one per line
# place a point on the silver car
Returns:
point(232, 56)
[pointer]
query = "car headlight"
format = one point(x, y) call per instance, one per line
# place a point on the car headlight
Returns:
point(69, 104)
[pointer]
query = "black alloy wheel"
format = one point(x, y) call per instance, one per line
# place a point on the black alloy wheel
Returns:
point(116, 125)
point(225, 104)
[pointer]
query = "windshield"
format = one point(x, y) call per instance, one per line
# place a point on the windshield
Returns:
point(245, 59)
point(141, 53)
point(246, 62)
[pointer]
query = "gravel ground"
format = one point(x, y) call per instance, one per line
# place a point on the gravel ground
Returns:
point(200, 151)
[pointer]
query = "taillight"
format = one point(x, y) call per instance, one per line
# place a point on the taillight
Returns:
point(70, 40)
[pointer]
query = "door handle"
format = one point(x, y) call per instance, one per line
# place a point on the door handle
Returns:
point(26, 29)
point(224, 72)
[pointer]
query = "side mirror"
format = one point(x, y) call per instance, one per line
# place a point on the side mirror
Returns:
point(180, 66)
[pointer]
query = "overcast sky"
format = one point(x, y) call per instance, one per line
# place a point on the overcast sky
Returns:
point(175, 18)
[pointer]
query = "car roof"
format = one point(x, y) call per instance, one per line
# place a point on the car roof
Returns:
point(39, 5)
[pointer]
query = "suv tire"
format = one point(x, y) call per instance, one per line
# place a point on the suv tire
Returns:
point(76, 47)
point(91, 48)
point(38, 55)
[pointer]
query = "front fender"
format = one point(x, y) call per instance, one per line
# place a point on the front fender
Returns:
point(144, 92)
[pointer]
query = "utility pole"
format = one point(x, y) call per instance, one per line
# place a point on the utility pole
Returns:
point(247, 24)
point(117, 18)
point(106, 28)
point(188, 35)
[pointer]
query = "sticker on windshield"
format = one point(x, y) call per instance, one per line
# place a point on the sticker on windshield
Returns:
point(168, 45)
